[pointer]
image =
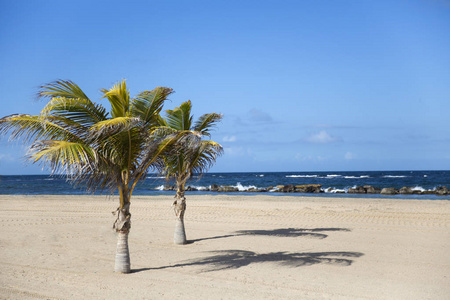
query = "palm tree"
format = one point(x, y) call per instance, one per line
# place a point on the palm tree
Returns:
point(75, 136)
point(192, 155)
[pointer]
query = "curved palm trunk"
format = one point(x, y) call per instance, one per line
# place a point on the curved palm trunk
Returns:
point(179, 236)
point(122, 226)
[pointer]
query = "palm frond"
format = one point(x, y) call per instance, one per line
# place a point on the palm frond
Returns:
point(180, 118)
point(156, 149)
point(61, 88)
point(186, 108)
point(203, 156)
point(119, 98)
point(32, 128)
point(163, 131)
point(147, 105)
point(206, 122)
point(62, 156)
point(113, 126)
point(79, 110)
point(161, 121)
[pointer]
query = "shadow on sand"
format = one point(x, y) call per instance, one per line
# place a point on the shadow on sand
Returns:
point(235, 259)
point(282, 232)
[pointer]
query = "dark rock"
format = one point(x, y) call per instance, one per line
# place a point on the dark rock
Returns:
point(190, 188)
point(372, 190)
point(267, 189)
point(427, 193)
point(441, 191)
point(405, 190)
point(290, 188)
point(169, 188)
point(389, 191)
point(214, 188)
point(357, 190)
point(227, 188)
point(308, 188)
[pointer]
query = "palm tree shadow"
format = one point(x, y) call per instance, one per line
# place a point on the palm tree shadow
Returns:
point(282, 232)
point(292, 232)
point(235, 259)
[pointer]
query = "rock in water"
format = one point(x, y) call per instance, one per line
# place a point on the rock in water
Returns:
point(441, 191)
point(357, 190)
point(389, 191)
point(406, 190)
point(308, 188)
point(372, 190)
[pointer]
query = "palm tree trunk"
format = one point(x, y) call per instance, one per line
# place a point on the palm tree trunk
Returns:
point(179, 236)
point(122, 226)
point(122, 263)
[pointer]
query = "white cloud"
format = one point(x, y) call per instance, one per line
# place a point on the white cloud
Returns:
point(322, 137)
point(349, 156)
point(229, 138)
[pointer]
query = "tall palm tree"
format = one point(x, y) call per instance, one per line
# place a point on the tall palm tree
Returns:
point(75, 136)
point(192, 155)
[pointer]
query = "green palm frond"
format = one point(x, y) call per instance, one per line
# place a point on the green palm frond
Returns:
point(113, 126)
point(156, 150)
point(148, 104)
point(180, 118)
point(62, 156)
point(32, 128)
point(61, 88)
point(163, 131)
point(206, 122)
point(119, 98)
point(161, 121)
point(201, 157)
point(79, 110)
point(185, 108)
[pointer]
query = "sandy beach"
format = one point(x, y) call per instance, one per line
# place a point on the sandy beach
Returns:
point(241, 247)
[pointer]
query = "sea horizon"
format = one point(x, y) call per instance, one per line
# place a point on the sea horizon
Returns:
point(332, 183)
point(340, 171)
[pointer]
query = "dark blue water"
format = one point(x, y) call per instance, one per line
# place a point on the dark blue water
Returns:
point(331, 183)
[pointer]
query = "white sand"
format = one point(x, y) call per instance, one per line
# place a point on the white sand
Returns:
point(252, 247)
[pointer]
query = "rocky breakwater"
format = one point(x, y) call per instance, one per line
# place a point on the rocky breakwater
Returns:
point(306, 188)
point(440, 191)
point(317, 188)
point(367, 189)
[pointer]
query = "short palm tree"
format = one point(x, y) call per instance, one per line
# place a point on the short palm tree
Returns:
point(75, 136)
point(192, 154)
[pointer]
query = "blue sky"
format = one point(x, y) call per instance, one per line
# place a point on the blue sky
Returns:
point(303, 85)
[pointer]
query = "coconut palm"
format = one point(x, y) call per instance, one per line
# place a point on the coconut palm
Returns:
point(192, 155)
point(75, 136)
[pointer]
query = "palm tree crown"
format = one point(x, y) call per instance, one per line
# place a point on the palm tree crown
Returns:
point(192, 154)
point(196, 155)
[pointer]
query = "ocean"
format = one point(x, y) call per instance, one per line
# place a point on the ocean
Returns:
point(334, 184)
